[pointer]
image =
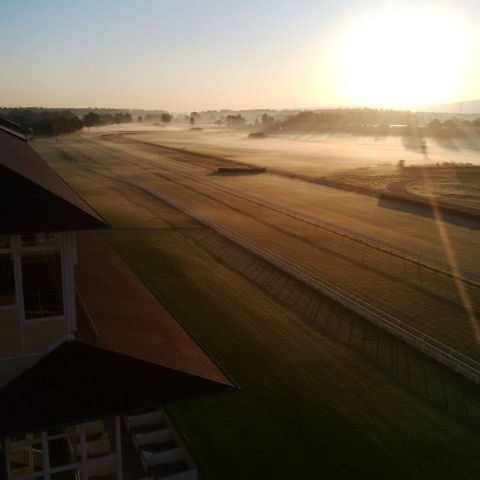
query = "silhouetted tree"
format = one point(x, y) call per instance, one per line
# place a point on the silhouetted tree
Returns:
point(267, 120)
point(435, 124)
point(451, 123)
point(236, 120)
point(122, 118)
point(91, 119)
point(166, 118)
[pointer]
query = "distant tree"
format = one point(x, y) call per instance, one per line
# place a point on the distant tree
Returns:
point(152, 117)
point(192, 120)
point(121, 118)
point(267, 120)
point(166, 118)
point(236, 120)
point(45, 122)
point(451, 123)
point(435, 124)
point(195, 115)
point(91, 119)
point(139, 118)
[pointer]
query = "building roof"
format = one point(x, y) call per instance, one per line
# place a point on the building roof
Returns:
point(130, 354)
point(33, 198)
point(128, 318)
point(79, 382)
point(12, 127)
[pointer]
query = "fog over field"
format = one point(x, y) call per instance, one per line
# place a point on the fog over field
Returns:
point(312, 154)
point(240, 240)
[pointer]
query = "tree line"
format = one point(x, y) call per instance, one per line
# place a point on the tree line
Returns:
point(92, 119)
point(370, 121)
point(163, 117)
point(43, 122)
point(40, 121)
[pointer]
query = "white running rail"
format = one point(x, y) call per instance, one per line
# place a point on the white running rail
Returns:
point(455, 360)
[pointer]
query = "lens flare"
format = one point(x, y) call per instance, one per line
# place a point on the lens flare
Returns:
point(405, 57)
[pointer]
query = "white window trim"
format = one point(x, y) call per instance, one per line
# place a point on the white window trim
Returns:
point(67, 248)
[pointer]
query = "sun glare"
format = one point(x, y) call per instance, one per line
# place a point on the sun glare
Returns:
point(404, 58)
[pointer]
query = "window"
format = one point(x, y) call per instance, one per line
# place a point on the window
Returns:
point(7, 280)
point(42, 284)
point(60, 455)
point(40, 287)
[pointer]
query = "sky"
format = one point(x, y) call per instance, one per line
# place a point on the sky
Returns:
point(184, 55)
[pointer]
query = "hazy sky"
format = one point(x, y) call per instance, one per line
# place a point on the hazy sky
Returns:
point(182, 55)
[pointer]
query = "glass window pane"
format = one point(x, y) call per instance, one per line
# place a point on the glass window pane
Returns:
point(60, 452)
point(7, 280)
point(42, 284)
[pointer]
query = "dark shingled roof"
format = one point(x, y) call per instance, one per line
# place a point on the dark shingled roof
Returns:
point(128, 318)
point(33, 198)
point(130, 355)
point(79, 382)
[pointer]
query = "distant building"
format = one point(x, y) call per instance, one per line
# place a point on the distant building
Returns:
point(87, 355)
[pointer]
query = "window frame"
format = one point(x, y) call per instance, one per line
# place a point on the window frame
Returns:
point(16, 249)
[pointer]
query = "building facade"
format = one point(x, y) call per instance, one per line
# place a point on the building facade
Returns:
point(84, 375)
point(37, 301)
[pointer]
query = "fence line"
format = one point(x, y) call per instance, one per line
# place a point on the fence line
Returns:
point(448, 356)
point(411, 256)
point(373, 242)
point(460, 363)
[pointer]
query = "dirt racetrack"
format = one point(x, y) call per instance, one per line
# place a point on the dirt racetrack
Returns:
point(426, 300)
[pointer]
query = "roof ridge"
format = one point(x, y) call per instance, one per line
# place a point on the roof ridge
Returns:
point(13, 132)
point(51, 191)
point(74, 192)
point(59, 197)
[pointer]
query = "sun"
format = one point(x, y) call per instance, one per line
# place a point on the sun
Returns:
point(403, 58)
